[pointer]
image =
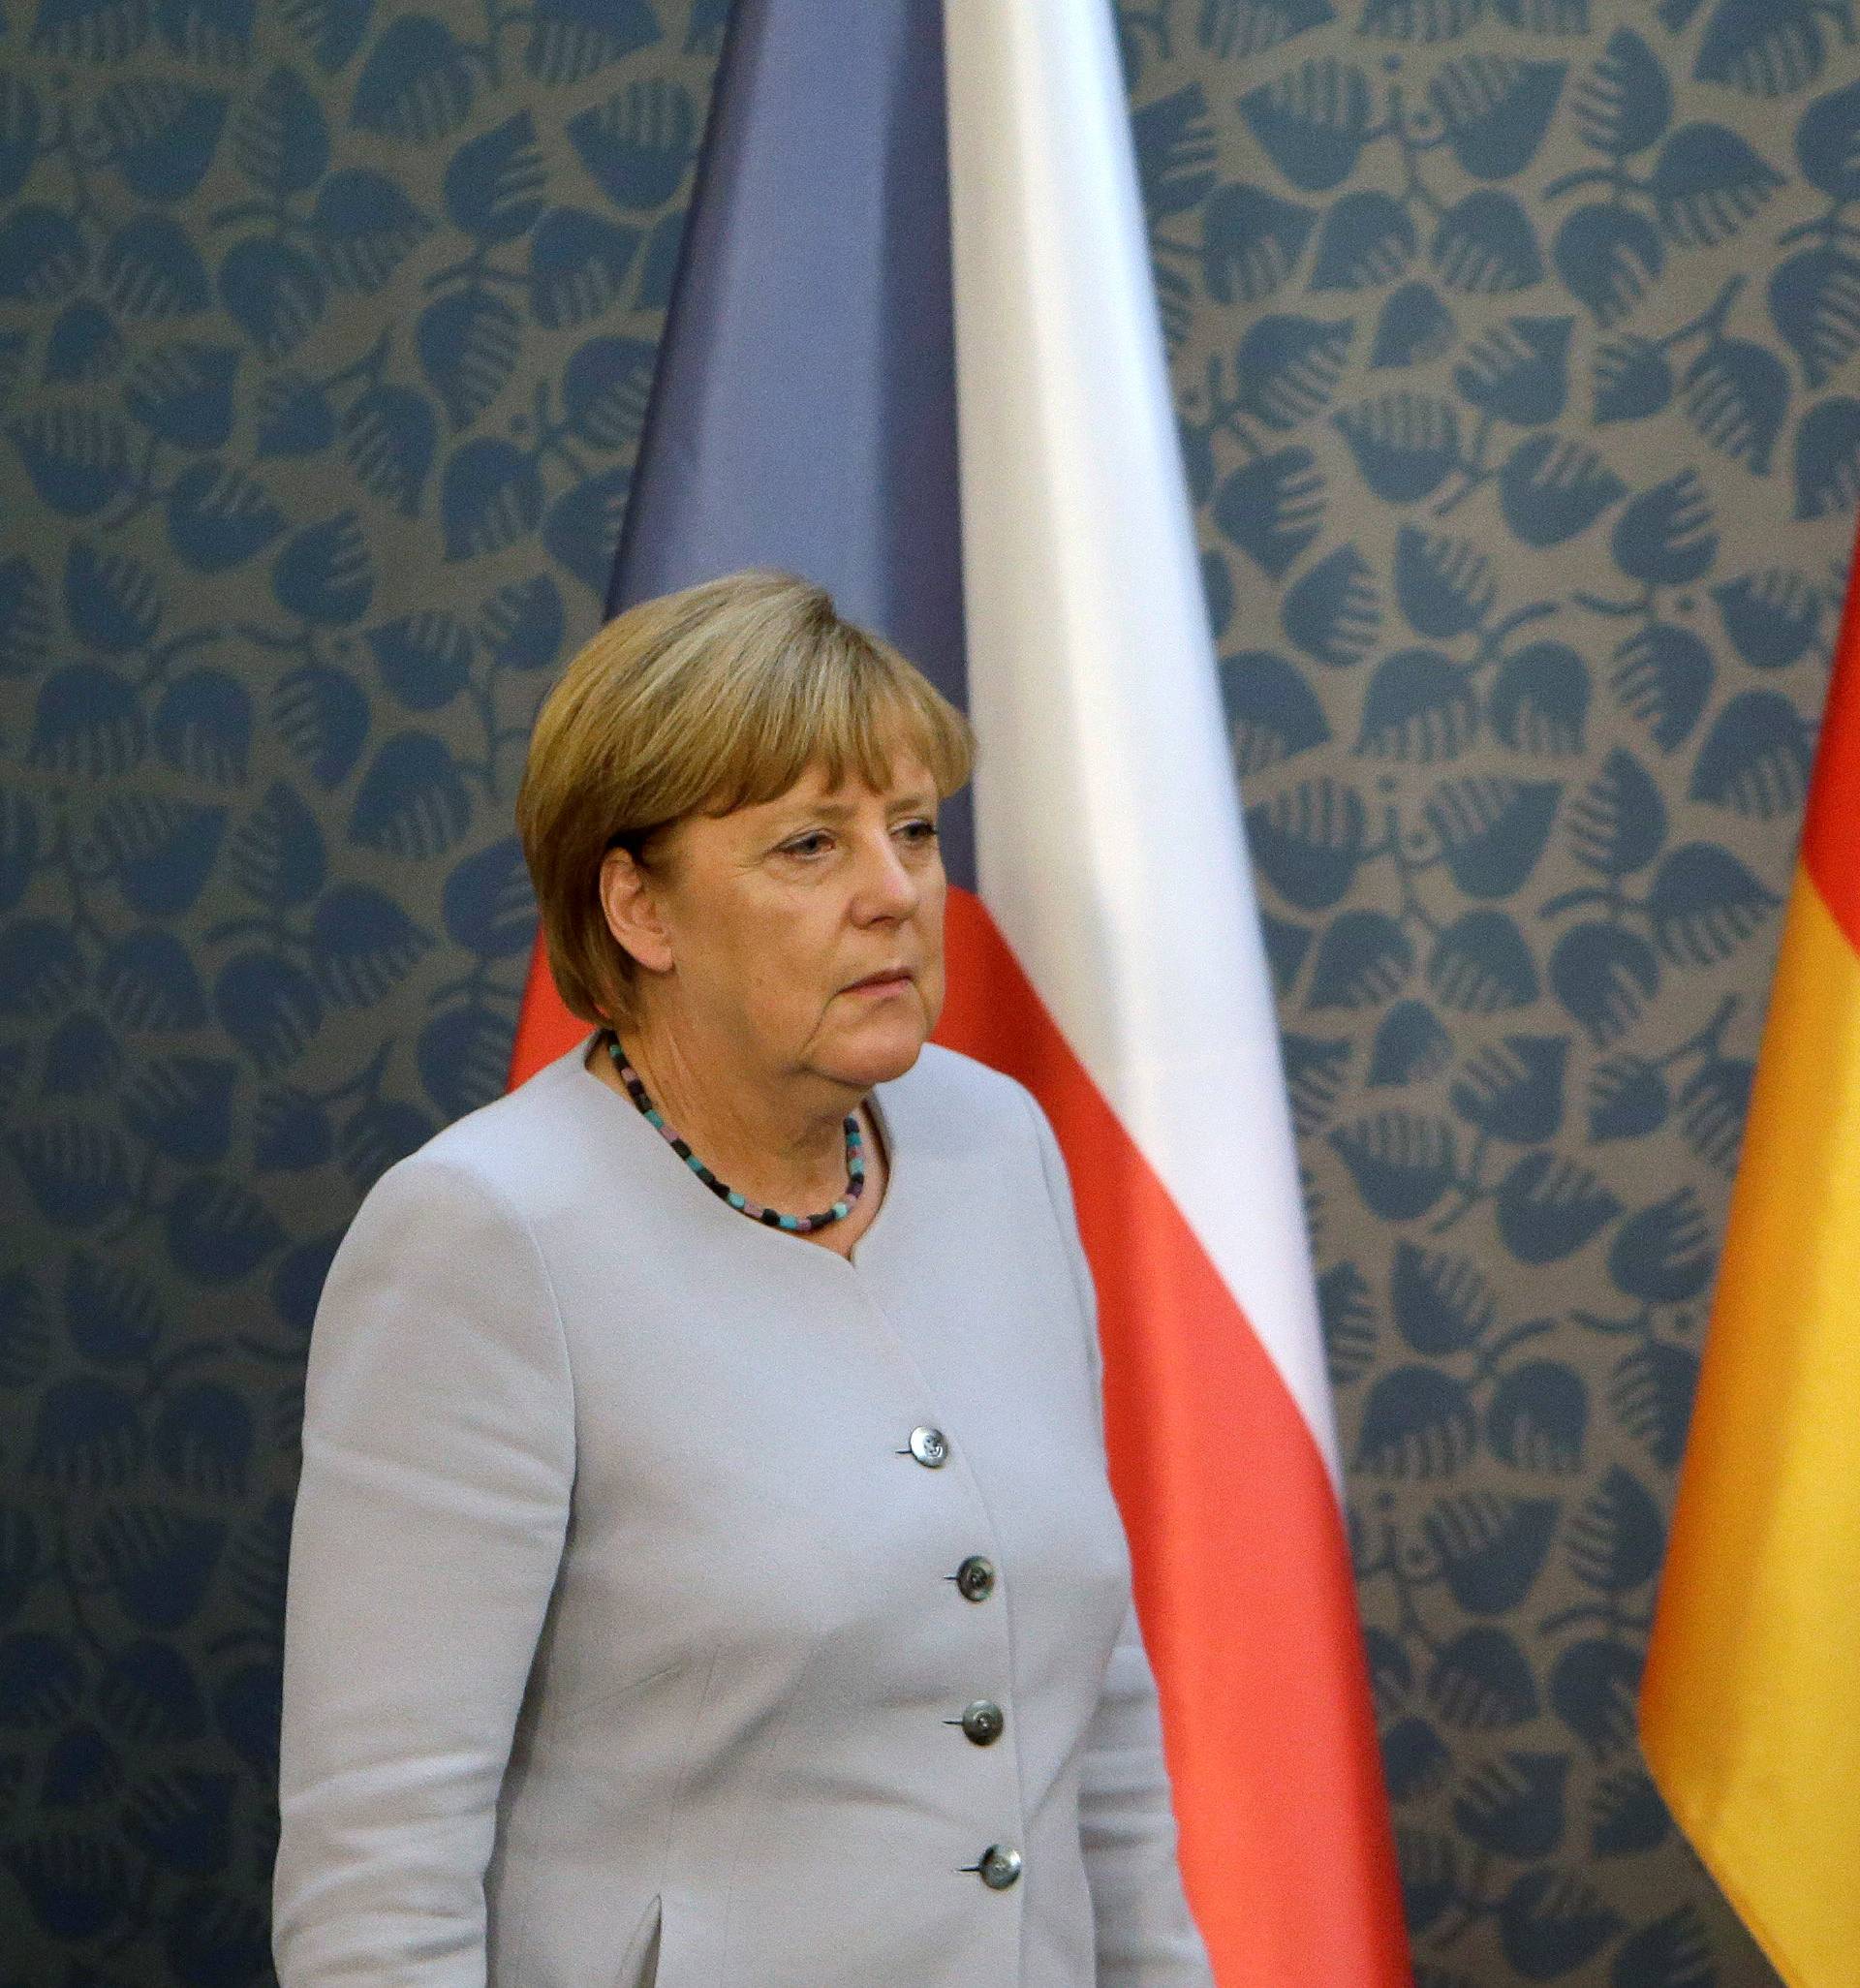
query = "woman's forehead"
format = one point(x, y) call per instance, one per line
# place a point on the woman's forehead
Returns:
point(906, 776)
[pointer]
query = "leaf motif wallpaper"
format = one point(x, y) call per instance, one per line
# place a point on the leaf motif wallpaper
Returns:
point(1515, 352)
point(1514, 346)
point(325, 333)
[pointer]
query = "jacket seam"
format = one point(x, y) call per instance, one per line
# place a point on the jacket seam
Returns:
point(1069, 1249)
point(522, 1931)
point(511, 1212)
point(675, 1807)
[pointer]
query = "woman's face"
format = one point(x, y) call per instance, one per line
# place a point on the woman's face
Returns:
point(767, 917)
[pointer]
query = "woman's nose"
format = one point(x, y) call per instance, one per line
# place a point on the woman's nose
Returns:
point(886, 878)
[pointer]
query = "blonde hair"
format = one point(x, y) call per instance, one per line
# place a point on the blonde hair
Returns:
point(717, 697)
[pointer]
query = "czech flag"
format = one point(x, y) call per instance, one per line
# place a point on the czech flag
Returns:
point(913, 353)
point(1750, 1703)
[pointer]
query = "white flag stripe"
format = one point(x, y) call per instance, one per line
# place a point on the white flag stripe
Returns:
point(1110, 847)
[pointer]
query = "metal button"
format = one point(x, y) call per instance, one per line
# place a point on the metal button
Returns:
point(929, 1447)
point(976, 1578)
point(982, 1721)
point(999, 1866)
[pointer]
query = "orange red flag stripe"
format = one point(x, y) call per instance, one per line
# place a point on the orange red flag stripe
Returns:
point(1267, 1720)
point(1831, 829)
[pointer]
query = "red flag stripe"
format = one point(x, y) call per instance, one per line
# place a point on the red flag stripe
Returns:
point(545, 1027)
point(1243, 1577)
point(1831, 829)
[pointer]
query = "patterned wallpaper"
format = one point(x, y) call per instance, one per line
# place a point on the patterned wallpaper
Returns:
point(1514, 344)
point(326, 328)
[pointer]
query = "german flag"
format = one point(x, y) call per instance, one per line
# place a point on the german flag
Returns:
point(1749, 1704)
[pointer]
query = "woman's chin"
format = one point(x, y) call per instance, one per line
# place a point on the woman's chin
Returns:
point(881, 1047)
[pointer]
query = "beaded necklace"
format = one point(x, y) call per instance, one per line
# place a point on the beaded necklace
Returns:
point(799, 1224)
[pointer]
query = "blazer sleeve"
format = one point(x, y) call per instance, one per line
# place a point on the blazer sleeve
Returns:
point(1146, 1935)
point(438, 1457)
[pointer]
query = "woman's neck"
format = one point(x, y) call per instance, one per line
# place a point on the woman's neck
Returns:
point(783, 1146)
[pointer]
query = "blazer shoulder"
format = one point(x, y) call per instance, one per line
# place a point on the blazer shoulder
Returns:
point(522, 1150)
point(536, 1148)
point(949, 1083)
point(965, 1106)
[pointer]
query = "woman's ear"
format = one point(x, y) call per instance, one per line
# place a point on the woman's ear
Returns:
point(629, 899)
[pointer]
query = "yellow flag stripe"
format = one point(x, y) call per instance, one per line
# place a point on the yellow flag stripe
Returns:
point(1751, 1701)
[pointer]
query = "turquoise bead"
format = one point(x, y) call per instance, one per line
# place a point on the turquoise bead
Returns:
point(793, 1223)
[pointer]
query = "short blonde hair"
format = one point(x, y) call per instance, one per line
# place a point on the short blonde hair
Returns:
point(717, 697)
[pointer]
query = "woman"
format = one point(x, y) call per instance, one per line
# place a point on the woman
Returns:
point(705, 1568)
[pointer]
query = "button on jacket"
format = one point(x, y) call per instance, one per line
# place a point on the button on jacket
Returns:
point(675, 1602)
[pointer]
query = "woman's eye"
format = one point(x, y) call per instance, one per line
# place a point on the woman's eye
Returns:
point(920, 831)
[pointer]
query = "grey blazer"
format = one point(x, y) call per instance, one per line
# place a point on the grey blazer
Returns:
point(642, 1632)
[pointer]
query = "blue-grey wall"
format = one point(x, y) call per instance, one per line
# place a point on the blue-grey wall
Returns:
point(1514, 343)
point(325, 327)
